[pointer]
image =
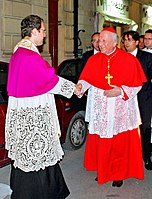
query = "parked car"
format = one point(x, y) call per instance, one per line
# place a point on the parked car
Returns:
point(3, 107)
point(70, 111)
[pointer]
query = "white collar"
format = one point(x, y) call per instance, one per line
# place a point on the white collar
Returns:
point(134, 52)
point(95, 51)
point(111, 52)
point(147, 50)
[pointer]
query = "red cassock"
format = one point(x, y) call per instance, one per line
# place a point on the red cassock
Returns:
point(119, 157)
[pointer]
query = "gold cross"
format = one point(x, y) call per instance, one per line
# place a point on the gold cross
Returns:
point(108, 77)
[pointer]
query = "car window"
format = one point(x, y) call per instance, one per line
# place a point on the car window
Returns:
point(70, 69)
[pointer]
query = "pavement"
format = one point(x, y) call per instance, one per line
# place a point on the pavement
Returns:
point(82, 184)
point(5, 190)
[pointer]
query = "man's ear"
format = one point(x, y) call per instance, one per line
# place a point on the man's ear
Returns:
point(115, 44)
point(34, 32)
point(137, 42)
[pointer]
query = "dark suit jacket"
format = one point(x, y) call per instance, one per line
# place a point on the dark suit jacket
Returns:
point(145, 94)
point(86, 56)
point(145, 59)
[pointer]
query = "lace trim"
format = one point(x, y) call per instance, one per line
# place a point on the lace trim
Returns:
point(67, 88)
point(110, 116)
point(26, 43)
point(32, 138)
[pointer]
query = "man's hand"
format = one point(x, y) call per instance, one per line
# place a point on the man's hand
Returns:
point(78, 88)
point(116, 91)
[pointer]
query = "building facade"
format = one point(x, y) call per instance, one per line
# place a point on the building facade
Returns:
point(77, 20)
point(11, 14)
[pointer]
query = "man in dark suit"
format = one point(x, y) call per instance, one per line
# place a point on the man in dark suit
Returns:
point(131, 41)
point(148, 41)
point(95, 46)
point(141, 44)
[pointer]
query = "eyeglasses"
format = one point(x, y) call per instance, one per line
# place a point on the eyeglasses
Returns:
point(147, 39)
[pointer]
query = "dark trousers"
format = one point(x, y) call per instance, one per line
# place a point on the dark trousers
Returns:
point(145, 107)
point(146, 144)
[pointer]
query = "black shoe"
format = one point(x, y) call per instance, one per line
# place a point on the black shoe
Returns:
point(148, 165)
point(117, 183)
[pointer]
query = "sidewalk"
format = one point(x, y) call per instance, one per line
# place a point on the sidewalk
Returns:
point(5, 190)
point(83, 186)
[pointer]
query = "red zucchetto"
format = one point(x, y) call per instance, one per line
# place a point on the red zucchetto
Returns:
point(110, 29)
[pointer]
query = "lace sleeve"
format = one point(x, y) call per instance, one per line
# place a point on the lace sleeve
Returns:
point(85, 86)
point(63, 87)
point(130, 92)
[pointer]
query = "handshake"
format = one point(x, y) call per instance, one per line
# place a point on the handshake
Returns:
point(78, 90)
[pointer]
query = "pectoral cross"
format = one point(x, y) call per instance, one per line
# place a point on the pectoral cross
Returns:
point(108, 77)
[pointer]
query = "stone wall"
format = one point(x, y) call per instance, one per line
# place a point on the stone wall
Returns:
point(86, 10)
point(86, 14)
point(12, 12)
point(65, 30)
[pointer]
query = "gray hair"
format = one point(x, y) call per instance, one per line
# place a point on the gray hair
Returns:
point(115, 37)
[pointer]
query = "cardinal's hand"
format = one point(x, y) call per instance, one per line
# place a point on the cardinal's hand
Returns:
point(114, 92)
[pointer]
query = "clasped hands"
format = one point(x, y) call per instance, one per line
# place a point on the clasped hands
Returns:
point(114, 92)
